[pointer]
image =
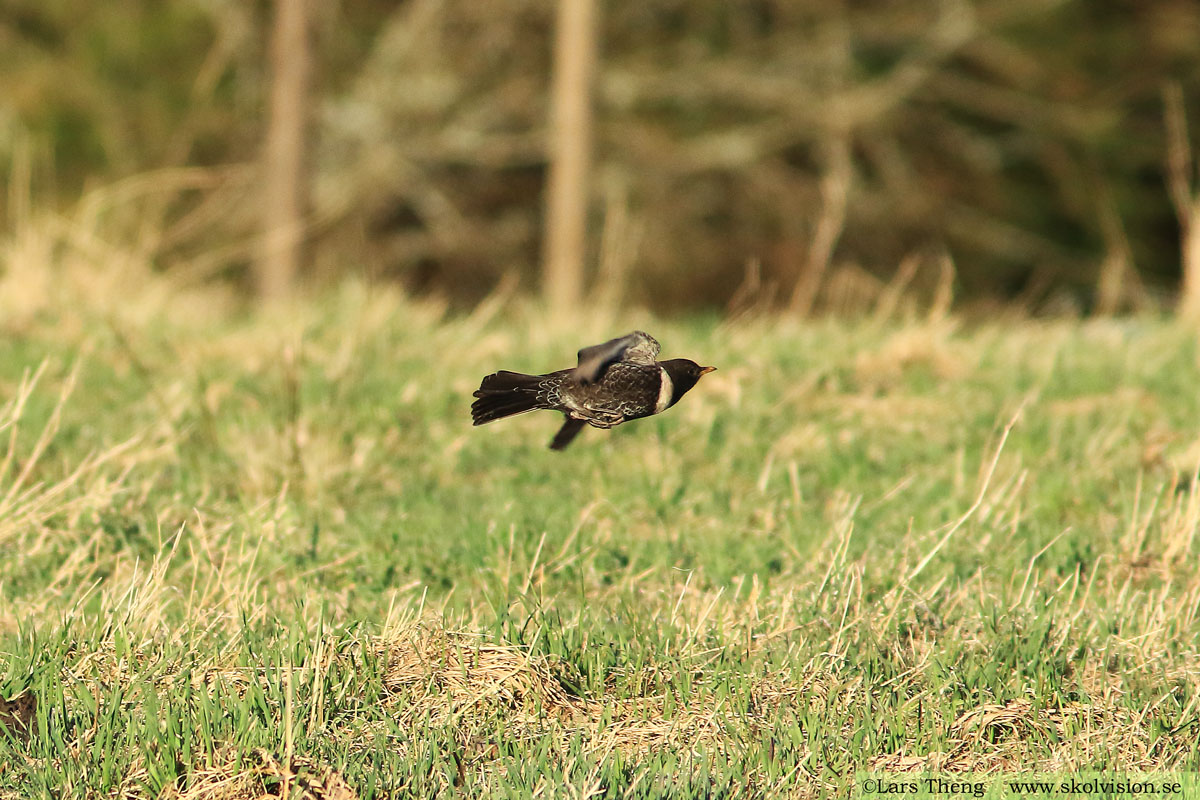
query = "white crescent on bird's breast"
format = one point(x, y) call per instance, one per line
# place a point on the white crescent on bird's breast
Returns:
point(665, 388)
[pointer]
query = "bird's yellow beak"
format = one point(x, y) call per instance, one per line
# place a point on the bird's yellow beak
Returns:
point(706, 370)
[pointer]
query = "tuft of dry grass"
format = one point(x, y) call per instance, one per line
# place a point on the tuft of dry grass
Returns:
point(259, 775)
point(1000, 738)
point(455, 678)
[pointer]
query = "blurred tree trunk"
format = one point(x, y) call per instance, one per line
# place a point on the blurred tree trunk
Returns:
point(565, 242)
point(835, 189)
point(285, 177)
point(1190, 301)
point(836, 167)
point(1117, 281)
point(1183, 183)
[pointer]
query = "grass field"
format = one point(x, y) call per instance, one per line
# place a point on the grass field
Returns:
point(250, 554)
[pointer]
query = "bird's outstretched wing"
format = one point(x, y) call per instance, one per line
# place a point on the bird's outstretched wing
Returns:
point(636, 348)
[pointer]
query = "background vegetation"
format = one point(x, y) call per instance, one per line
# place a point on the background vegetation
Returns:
point(801, 151)
point(252, 547)
point(266, 555)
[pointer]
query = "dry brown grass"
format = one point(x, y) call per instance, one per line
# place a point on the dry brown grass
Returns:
point(259, 775)
point(1001, 738)
point(456, 677)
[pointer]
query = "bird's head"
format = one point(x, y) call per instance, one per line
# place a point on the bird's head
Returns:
point(684, 374)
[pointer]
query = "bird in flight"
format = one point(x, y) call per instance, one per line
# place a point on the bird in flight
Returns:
point(613, 383)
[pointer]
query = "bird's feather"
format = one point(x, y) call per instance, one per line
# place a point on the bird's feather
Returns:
point(505, 394)
point(633, 348)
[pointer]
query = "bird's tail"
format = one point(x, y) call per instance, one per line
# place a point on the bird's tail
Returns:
point(504, 394)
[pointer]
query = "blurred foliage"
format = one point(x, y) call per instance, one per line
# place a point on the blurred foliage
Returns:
point(114, 88)
point(1023, 138)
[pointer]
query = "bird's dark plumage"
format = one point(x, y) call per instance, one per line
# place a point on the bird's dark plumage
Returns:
point(613, 382)
point(633, 348)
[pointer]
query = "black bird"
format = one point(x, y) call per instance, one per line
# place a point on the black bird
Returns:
point(614, 382)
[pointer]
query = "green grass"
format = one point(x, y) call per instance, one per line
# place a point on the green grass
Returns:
point(249, 553)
